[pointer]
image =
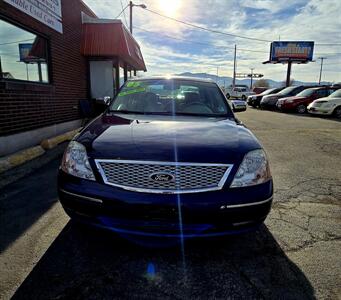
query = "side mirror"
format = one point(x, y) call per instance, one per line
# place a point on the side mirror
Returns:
point(104, 101)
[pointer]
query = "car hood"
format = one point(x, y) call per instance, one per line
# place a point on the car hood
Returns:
point(271, 96)
point(167, 138)
point(318, 100)
point(295, 98)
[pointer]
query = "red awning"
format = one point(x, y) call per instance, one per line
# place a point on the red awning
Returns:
point(108, 38)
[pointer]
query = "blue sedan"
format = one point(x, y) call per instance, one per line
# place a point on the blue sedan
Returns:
point(167, 158)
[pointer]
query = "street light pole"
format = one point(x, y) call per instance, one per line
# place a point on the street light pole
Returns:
point(131, 5)
point(131, 17)
point(251, 77)
point(234, 66)
point(322, 58)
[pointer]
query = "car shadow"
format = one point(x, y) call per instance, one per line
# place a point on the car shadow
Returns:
point(23, 202)
point(86, 263)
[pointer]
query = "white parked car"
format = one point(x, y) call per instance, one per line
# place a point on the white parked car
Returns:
point(238, 105)
point(239, 92)
point(330, 105)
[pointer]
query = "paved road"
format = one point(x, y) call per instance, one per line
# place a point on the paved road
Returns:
point(295, 255)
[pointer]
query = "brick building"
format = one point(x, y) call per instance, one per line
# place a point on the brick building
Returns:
point(52, 56)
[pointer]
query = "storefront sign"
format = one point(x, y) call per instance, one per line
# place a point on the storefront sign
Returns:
point(46, 11)
point(298, 51)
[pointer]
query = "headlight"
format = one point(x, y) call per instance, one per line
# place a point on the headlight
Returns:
point(269, 99)
point(328, 105)
point(75, 161)
point(253, 170)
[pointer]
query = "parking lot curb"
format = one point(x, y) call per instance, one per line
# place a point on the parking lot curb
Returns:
point(20, 157)
point(23, 156)
point(54, 141)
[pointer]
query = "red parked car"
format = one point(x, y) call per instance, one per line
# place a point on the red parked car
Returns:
point(300, 102)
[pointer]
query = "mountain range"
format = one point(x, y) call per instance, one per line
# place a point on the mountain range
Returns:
point(226, 80)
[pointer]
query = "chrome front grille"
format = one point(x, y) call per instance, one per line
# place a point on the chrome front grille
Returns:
point(144, 176)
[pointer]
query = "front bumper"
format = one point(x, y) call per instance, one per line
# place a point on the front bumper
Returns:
point(285, 106)
point(269, 104)
point(320, 111)
point(250, 101)
point(214, 213)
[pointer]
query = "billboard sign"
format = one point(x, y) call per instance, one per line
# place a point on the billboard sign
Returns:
point(295, 51)
point(24, 52)
point(47, 12)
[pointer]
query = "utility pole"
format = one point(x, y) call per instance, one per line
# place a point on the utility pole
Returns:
point(322, 58)
point(287, 82)
point(217, 73)
point(131, 5)
point(234, 66)
point(131, 16)
point(251, 77)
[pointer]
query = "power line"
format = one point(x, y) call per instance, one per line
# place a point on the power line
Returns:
point(328, 44)
point(124, 13)
point(208, 44)
point(121, 11)
point(15, 42)
point(206, 29)
point(196, 42)
point(225, 33)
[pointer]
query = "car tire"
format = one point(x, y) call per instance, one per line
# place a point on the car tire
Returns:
point(337, 112)
point(243, 97)
point(301, 109)
point(228, 96)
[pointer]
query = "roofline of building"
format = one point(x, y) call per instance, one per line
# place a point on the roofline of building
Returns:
point(87, 6)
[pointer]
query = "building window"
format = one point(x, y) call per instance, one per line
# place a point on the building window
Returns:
point(23, 55)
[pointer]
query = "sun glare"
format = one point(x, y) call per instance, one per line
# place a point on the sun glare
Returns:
point(170, 7)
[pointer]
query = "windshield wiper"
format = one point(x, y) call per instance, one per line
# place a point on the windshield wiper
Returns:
point(201, 115)
point(124, 111)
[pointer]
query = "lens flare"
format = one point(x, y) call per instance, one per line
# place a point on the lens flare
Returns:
point(170, 8)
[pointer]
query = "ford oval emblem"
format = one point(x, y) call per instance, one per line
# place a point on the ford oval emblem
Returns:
point(162, 177)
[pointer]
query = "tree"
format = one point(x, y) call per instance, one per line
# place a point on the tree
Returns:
point(261, 83)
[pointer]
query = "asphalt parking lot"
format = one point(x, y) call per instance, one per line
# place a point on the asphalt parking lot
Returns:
point(295, 255)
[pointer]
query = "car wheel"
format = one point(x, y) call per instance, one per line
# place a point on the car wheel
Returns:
point(228, 96)
point(337, 112)
point(301, 109)
point(243, 97)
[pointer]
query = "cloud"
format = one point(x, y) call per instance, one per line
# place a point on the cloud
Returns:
point(314, 20)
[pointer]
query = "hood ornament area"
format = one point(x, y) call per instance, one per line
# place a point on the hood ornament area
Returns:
point(162, 177)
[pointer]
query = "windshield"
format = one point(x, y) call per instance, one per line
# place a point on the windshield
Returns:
point(287, 90)
point(269, 91)
point(336, 94)
point(171, 97)
point(306, 93)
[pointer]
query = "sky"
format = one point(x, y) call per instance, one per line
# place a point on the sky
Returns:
point(168, 47)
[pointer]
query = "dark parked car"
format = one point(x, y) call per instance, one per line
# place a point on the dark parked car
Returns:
point(167, 158)
point(259, 89)
point(300, 102)
point(270, 101)
point(255, 100)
